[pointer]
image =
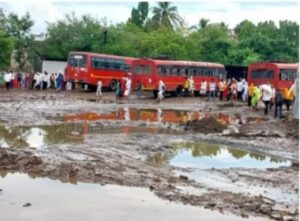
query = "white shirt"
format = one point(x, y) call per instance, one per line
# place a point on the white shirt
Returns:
point(239, 86)
point(212, 86)
point(161, 87)
point(7, 77)
point(203, 86)
point(128, 84)
point(266, 92)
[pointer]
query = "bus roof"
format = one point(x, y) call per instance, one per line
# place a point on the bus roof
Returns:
point(278, 65)
point(102, 55)
point(185, 63)
point(286, 65)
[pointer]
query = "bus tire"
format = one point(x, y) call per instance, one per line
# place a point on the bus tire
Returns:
point(178, 90)
point(112, 85)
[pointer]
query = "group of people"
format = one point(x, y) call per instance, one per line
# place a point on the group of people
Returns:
point(41, 81)
point(120, 91)
point(266, 96)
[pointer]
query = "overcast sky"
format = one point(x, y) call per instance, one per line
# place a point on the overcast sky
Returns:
point(230, 12)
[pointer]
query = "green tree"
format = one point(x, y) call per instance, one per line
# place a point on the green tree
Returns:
point(245, 29)
point(70, 34)
point(23, 55)
point(163, 41)
point(139, 15)
point(214, 43)
point(6, 43)
point(166, 15)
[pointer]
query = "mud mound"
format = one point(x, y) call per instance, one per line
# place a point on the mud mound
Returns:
point(205, 125)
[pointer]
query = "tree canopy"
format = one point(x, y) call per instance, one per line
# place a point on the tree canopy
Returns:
point(149, 32)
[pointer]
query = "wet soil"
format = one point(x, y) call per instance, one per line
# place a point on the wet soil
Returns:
point(121, 157)
point(206, 125)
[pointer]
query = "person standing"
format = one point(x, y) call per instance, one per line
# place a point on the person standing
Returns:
point(191, 85)
point(266, 95)
point(161, 90)
point(118, 90)
point(221, 87)
point(127, 86)
point(295, 90)
point(240, 88)
point(203, 88)
point(256, 95)
point(186, 87)
point(99, 89)
point(250, 93)
point(212, 90)
point(245, 90)
point(7, 79)
point(138, 89)
point(278, 100)
point(288, 98)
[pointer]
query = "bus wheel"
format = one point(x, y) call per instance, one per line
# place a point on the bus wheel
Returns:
point(112, 85)
point(178, 90)
point(155, 94)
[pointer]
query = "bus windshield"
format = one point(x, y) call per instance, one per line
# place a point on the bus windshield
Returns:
point(287, 74)
point(77, 60)
point(262, 73)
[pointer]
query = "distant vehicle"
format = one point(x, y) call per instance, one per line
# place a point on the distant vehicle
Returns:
point(280, 75)
point(88, 68)
point(174, 73)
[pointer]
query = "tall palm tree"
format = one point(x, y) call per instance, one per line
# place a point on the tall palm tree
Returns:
point(166, 15)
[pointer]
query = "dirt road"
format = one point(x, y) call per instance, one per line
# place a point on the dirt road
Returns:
point(218, 155)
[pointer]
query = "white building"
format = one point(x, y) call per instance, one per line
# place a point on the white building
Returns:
point(54, 66)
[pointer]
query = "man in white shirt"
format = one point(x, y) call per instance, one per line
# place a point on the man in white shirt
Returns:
point(99, 89)
point(161, 90)
point(239, 87)
point(203, 87)
point(7, 79)
point(266, 91)
point(127, 86)
point(212, 90)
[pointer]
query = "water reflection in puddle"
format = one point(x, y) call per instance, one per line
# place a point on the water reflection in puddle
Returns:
point(153, 115)
point(47, 135)
point(52, 200)
point(203, 156)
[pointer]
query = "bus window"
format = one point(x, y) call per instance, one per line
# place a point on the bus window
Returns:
point(137, 70)
point(174, 71)
point(287, 74)
point(159, 70)
point(76, 60)
point(147, 70)
point(118, 64)
point(262, 73)
point(195, 71)
point(97, 63)
point(168, 71)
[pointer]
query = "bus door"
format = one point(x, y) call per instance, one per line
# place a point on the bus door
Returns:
point(144, 74)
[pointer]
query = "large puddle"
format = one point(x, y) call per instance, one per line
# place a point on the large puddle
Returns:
point(204, 156)
point(153, 115)
point(24, 198)
point(47, 135)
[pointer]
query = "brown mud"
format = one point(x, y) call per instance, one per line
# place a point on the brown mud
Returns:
point(120, 158)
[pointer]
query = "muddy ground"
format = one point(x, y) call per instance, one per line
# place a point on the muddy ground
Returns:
point(111, 143)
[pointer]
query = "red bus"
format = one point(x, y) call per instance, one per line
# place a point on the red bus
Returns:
point(87, 68)
point(174, 73)
point(280, 75)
